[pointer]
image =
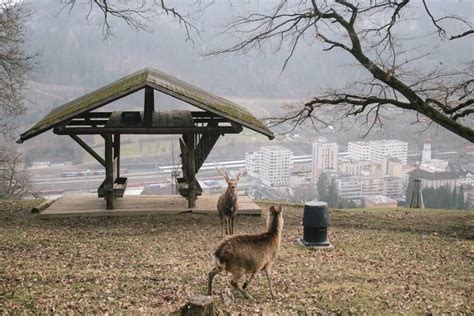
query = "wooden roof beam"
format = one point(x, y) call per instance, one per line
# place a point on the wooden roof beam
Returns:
point(65, 130)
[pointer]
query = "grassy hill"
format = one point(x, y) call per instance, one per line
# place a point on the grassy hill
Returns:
point(395, 261)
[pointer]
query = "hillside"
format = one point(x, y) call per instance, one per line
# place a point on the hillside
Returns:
point(397, 261)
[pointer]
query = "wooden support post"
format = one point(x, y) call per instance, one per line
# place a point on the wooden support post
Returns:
point(109, 172)
point(183, 155)
point(88, 149)
point(149, 107)
point(190, 169)
point(203, 148)
point(117, 153)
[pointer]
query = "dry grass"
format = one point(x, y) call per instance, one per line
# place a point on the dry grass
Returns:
point(384, 261)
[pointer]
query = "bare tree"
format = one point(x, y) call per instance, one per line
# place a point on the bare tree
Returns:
point(373, 33)
point(14, 179)
point(15, 63)
point(136, 14)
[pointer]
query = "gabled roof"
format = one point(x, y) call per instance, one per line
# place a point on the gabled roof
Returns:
point(159, 81)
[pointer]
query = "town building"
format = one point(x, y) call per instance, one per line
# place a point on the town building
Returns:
point(349, 166)
point(325, 157)
point(379, 150)
point(275, 166)
point(382, 149)
point(358, 187)
point(393, 187)
point(441, 174)
point(358, 150)
point(392, 167)
point(349, 187)
point(426, 153)
point(252, 163)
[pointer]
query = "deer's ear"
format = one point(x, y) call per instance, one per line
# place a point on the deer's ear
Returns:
point(272, 209)
point(279, 209)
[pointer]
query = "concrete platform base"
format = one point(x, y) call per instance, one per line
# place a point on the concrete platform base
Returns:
point(91, 205)
point(327, 245)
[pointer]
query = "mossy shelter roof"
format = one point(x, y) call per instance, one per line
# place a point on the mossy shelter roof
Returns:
point(159, 81)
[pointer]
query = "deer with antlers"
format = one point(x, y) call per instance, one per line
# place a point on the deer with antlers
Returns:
point(227, 205)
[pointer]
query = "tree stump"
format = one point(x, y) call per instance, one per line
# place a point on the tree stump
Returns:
point(199, 305)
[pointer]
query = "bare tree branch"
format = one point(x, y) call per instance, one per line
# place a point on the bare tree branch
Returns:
point(14, 179)
point(462, 34)
point(136, 14)
point(443, 97)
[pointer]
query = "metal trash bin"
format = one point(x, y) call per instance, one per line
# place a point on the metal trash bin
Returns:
point(315, 225)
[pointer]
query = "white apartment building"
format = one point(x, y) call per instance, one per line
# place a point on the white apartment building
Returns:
point(372, 185)
point(357, 187)
point(275, 166)
point(452, 176)
point(426, 153)
point(324, 157)
point(378, 151)
point(252, 163)
point(349, 187)
point(358, 150)
point(393, 186)
point(382, 149)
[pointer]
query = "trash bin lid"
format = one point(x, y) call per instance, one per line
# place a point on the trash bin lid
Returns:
point(316, 203)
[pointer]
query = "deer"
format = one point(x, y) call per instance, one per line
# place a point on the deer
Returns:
point(249, 254)
point(227, 205)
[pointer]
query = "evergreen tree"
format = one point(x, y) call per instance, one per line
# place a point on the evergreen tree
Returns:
point(333, 198)
point(454, 198)
point(409, 191)
point(460, 203)
point(322, 187)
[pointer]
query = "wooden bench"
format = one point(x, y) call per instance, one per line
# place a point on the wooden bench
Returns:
point(120, 185)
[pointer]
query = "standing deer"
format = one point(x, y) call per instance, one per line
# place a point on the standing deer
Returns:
point(227, 204)
point(249, 254)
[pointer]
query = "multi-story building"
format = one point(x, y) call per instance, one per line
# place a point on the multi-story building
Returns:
point(349, 187)
point(379, 150)
point(368, 167)
point(392, 167)
point(392, 187)
point(275, 166)
point(324, 157)
point(349, 166)
point(252, 163)
point(426, 153)
point(435, 176)
point(382, 149)
point(358, 187)
point(358, 150)
point(372, 185)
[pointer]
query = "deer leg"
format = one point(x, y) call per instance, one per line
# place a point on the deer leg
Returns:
point(231, 225)
point(211, 276)
point(268, 270)
point(235, 283)
point(222, 227)
point(247, 283)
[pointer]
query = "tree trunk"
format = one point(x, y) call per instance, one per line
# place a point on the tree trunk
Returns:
point(199, 305)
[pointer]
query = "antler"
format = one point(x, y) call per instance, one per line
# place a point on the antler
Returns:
point(241, 173)
point(223, 173)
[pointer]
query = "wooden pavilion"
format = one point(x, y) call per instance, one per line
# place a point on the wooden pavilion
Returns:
point(199, 129)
